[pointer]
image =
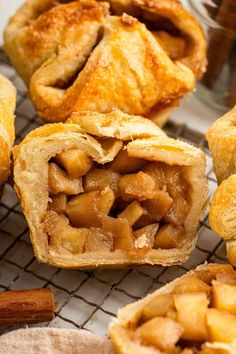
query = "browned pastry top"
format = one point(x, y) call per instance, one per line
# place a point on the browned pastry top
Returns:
point(82, 56)
point(169, 17)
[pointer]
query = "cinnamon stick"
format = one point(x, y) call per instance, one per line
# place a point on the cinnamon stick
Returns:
point(26, 306)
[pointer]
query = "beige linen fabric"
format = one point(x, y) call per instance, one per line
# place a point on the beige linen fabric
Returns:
point(53, 341)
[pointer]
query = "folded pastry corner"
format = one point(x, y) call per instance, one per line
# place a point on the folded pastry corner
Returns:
point(7, 130)
point(194, 314)
point(109, 190)
point(141, 59)
point(177, 31)
point(222, 143)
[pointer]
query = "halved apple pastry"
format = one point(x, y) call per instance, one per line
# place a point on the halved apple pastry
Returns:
point(195, 314)
point(82, 55)
point(222, 142)
point(107, 190)
point(7, 130)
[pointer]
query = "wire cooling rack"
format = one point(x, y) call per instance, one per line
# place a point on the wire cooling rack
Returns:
point(87, 299)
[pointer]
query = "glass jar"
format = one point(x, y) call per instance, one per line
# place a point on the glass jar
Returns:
point(218, 18)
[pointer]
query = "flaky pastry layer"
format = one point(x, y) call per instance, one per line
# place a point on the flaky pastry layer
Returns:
point(144, 140)
point(221, 138)
point(7, 130)
point(82, 56)
point(222, 143)
point(169, 13)
point(222, 215)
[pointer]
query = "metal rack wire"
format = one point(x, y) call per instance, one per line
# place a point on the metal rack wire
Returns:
point(86, 299)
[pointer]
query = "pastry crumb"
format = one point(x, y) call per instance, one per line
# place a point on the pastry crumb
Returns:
point(128, 20)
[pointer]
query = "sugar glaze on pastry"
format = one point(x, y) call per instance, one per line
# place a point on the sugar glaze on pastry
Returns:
point(7, 130)
point(194, 314)
point(81, 55)
point(109, 191)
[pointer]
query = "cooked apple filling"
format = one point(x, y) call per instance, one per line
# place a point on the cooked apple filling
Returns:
point(129, 204)
point(200, 310)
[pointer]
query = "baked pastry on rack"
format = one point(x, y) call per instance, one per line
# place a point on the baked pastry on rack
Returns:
point(222, 143)
point(109, 190)
point(195, 314)
point(222, 215)
point(80, 55)
point(7, 130)
point(221, 138)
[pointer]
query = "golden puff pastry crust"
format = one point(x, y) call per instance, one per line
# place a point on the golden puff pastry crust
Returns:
point(161, 322)
point(223, 209)
point(7, 130)
point(81, 58)
point(109, 190)
point(222, 143)
point(173, 27)
point(222, 214)
point(221, 138)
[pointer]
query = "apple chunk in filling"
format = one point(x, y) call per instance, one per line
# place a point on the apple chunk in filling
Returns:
point(195, 315)
point(134, 204)
point(84, 210)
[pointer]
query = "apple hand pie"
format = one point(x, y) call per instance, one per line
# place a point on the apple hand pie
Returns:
point(222, 215)
point(221, 138)
point(106, 190)
point(7, 130)
point(195, 314)
point(80, 55)
point(222, 143)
